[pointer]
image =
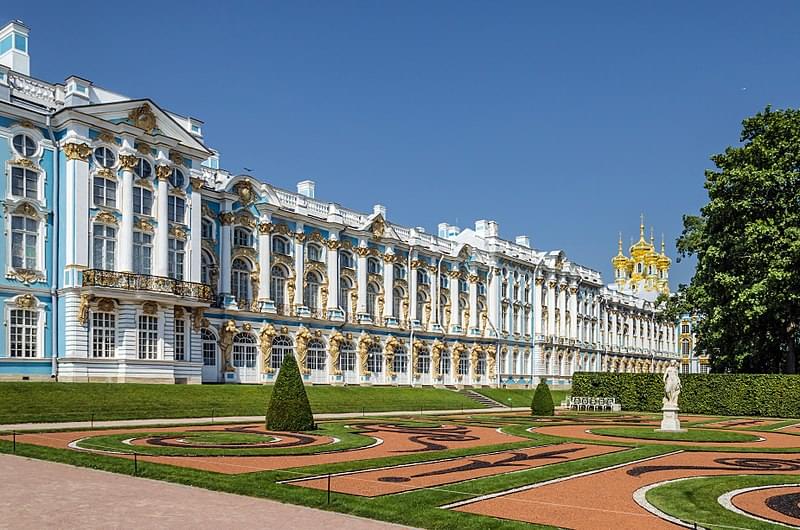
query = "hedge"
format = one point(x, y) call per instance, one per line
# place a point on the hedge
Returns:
point(768, 395)
point(542, 402)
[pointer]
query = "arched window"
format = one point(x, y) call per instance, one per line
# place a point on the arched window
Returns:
point(314, 253)
point(280, 245)
point(240, 281)
point(311, 291)
point(421, 301)
point(481, 289)
point(463, 365)
point(347, 357)
point(315, 358)
point(424, 361)
point(242, 237)
point(480, 367)
point(373, 266)
point(400, 361)
point(344, 293)
point(207, 268)
point(444, 363)
point(375, 359)
point(399, 272)
point(442, 304)
point(278, 277)
point(346, 260)
point(398, 294)
point(25, 242)
point(282, 346)
point(209, 348)
point(245, 350)
point(372, 296)
point(422, 277)
point(444, 281)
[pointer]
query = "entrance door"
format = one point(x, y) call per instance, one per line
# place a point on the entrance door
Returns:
point(210, 358)
point(245, 358)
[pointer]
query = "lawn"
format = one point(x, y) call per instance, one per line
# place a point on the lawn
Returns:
point(39, 402)
point(520, 397)
point(691, 435)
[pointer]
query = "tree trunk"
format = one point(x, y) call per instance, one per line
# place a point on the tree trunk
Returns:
point(791, 356)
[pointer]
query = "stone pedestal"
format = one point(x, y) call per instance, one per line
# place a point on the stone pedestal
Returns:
point(670, 421)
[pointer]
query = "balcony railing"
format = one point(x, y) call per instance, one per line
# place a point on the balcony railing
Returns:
point(143, 282)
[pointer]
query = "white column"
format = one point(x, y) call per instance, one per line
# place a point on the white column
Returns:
point(127, 162)
point(76, 215)
point(455, 314)
point(473, 302)
point(536, 310)
point(494, 300)
point(162, 229)
point(412, 295)
point(196, 230)
point(264, 259)
point(361, 305)
point(551, 306)
point(573, 310)
point(562, 305)
point(333, 273)
point(434, 299)
point(225, 241)
point(388, 284)
point(299, 265)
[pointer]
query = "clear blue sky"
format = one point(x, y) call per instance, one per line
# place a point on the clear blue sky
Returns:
point(561, 120)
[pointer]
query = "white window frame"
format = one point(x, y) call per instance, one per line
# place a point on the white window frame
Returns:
point(148, 335)
point(106, 197)
point(106, 239)
point(172, 209)
point(208, 345)
point(106, 332)
point(39, 186)
point(140, 191)
point(142, 246)
point(14, 304)
point(182, 340)
point(175, 271)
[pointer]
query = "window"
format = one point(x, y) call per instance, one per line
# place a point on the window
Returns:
point(481, 288)
point(242, 237)
point(175, 258)
point(704, 368)
point(444, 363)
point(180, 339)
point(24, 145)
point(346, 260)
point(347, 357)
point(23, 333)
point(420, 310)
point(463, 286)
point(442, 307)
point(480, 366)
point(444, 281)
point(24, 183)
point(311, 291)
point(463, 365)
point(400, 361)
point(105, 192)
point(207, 229)
point(372, 295)
point(424, 362)
point(240, 281)
point(684, 328)
point(314, 253)
point(105, 157)
point(207, 268)
point(397, 301)
point(281, 346)
point(280, 245)
point(505, 289)
point(278, 286)
point(375, 359)
point(685, 347)
point(147, 345)
point(105, 240)
point(24, 242)
point(399, 272)
point(344, 294)
point(209, 348)
point(176, 209)
point(104, 334)
point(515, 321)
point(142, 252)
point(422, 277)
point(373, 266)
point(244, 351)
point(315, 359)
point(177, 179)
point(142, 201)
point(143, 169)
point(504, 319)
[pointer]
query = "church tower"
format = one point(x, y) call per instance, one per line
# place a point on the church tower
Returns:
point(644, 272)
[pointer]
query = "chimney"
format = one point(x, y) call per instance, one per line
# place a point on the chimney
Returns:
point(379, 209)
point(523, 241)
point(306, 188)
point(14, 47)
point(492, 229)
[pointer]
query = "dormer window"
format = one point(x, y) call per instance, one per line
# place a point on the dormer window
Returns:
point(105, 157)
point(242, 237)
point(24, 145)
point(143, 169)
point(177, 179)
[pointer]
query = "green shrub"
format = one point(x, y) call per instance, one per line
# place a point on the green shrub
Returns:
point(289, 409)
point(542, 403)
point(768, 395)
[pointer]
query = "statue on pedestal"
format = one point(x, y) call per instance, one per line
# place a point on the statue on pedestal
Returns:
point(672, 389)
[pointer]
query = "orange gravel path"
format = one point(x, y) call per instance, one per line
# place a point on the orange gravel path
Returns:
point(776, 440)
point(754, 502)
point(604, 500)
point(405, 478)
point(394, 444)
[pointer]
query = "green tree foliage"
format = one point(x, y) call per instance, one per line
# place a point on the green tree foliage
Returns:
point(542, 403)
point(289, 409)
point(747, 242)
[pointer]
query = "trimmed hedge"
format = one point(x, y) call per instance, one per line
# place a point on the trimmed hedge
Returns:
point(288, 408)
point(768, 395)
point(542, 403)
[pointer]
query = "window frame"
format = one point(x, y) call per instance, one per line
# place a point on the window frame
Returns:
point(104, 334)
point(107, 241)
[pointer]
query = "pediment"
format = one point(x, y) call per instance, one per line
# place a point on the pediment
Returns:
point(379, 227)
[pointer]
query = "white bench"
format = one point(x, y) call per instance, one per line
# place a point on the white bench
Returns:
point(595, 403)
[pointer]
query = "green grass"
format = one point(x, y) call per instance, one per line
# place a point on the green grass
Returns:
point(46, 402)
point(520, 397)
point(692, 435)
point(695, 500)
point(226, 438)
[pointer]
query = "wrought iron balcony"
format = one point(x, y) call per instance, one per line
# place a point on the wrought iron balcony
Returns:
point(143, 282)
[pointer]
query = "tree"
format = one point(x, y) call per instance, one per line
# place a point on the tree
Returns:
point(542, 403)
point(288, 408)
point(746, 287)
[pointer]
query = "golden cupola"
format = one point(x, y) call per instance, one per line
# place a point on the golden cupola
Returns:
point(663, 262)
point(621, 264)
point(645, 271)
point(641, 249)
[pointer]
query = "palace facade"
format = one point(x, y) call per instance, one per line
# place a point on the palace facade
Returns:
point(129, 255)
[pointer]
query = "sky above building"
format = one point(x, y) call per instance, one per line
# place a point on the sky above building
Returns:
point(560, 120)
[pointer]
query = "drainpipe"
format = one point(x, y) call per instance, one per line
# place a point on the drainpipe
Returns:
point(438, 286)
point(411, 335)
point(54, 266)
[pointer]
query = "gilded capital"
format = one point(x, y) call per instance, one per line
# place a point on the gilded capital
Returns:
point(127, 162)
point(226, 218)
point(77, 151)
point(264, 228)
point(197, 183)
point(163, 172)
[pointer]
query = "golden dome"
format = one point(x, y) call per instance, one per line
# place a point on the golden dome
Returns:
point(663, 260)
point(620, 261)
point(651, 258)
point(641, 248)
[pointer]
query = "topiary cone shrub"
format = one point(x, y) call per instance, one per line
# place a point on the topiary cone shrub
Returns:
point(288, 408)
point(542, 404)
